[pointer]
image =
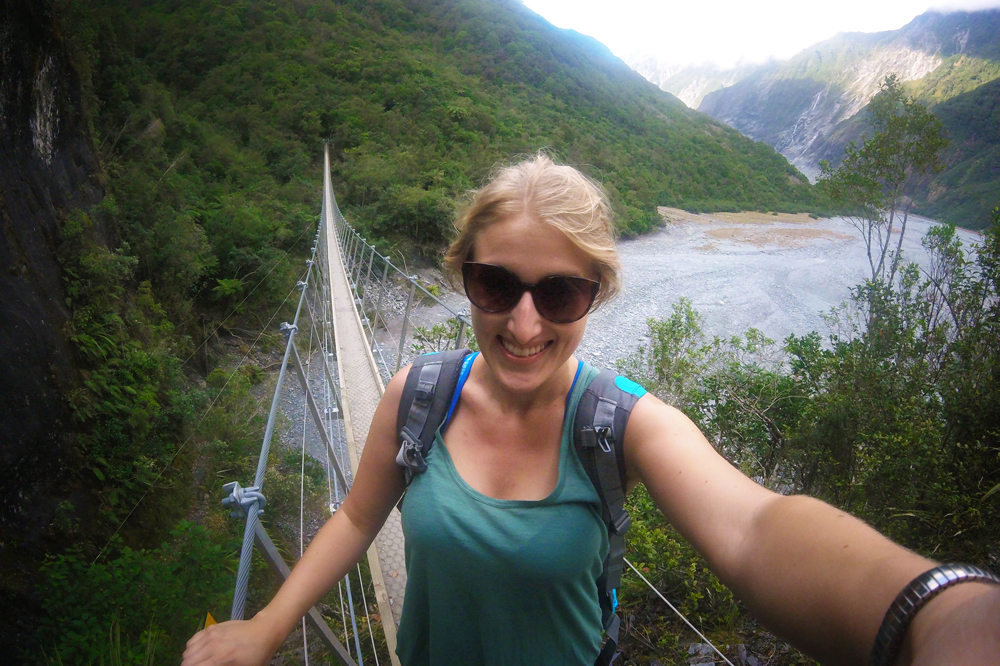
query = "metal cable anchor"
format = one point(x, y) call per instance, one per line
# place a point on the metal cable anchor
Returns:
point(288, 329)
point(241, 499)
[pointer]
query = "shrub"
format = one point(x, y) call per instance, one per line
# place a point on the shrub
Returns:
point(138, 602)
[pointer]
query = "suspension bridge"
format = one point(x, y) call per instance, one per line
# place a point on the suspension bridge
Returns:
point(354, 327)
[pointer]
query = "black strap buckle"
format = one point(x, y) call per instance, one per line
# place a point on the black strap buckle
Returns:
point(411, 455)
point(424, 392)
point(620, 522)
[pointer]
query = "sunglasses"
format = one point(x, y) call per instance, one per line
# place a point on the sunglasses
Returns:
point(559, 298)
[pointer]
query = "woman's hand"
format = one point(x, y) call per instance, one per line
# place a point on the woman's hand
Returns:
point(237, 643)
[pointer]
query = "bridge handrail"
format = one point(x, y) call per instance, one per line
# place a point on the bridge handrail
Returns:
point(248, 503)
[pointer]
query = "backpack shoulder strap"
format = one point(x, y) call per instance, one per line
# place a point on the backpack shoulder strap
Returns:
point(423, 406)
point(599, 437)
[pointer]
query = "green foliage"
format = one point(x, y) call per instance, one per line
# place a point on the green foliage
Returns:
point(674, 567)
point(129, 408)
point(958, 74)
point(439, 337)
point(969, 186)
point(193, 226)
point(894, 418)
point(902, 429)
point(872, 178)
point(132, 606)
point(735, 389)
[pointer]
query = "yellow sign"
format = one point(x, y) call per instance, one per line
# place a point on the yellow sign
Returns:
point(209, 621)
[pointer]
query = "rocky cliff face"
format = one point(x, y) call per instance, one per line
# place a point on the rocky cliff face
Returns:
point(47, 168)
point(797, 105)
point(807, 107)
point(688, 83)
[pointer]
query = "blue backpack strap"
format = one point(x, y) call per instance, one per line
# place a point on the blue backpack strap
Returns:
point(598, 435)
point(423, 406)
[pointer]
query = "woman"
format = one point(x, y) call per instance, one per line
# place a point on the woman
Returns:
point(504, 470)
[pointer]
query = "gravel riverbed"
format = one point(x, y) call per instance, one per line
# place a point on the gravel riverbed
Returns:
point(739, 271)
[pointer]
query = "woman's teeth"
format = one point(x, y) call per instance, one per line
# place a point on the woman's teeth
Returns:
point(520, 351)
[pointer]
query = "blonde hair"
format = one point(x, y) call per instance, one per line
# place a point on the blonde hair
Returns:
point(553, 194)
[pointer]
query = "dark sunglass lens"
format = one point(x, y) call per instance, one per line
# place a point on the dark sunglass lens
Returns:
point(491, 288)
point(563, 299)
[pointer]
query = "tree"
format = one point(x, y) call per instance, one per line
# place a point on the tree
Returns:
point(873, 177)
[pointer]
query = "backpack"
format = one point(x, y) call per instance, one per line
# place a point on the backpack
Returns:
point(598, 429)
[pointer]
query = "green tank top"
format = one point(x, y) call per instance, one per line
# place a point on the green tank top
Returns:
point(503, 582)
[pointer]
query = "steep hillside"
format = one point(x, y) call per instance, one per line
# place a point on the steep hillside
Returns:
point(423, 97)
point(47, 169)
point(808, 107)
point(970, 184)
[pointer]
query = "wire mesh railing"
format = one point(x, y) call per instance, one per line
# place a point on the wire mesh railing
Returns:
point(320, 411)
point(401, 316)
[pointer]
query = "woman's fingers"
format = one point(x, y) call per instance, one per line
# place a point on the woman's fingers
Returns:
point(227, 644)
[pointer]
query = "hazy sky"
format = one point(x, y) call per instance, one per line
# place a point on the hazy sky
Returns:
point(723, 31)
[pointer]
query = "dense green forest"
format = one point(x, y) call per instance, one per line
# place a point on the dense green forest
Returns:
point(970, 182)
point(421, 100)
point(208, 118)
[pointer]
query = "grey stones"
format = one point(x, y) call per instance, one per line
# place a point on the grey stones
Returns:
point(702, 654)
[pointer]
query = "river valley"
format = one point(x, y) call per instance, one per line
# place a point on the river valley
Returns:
point(775, 273)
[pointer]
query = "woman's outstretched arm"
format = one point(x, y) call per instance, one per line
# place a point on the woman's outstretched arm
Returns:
point(334, 550)
point(812, 573)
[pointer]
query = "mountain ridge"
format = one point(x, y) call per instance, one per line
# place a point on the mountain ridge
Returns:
point(809, 106)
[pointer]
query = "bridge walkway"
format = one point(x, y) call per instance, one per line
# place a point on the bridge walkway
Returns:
point(361, 388)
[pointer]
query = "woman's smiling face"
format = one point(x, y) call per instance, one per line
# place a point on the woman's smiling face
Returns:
point(523, 349)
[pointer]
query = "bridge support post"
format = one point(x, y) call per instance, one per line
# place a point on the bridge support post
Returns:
point(406, 321)
point(381, 294)
point(368, 278)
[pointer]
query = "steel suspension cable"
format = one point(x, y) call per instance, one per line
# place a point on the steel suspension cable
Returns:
point(674, 609)
point(354, 621)
point(252, 507)
point(368, 615)
point(343, 615)
point(302, 490)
